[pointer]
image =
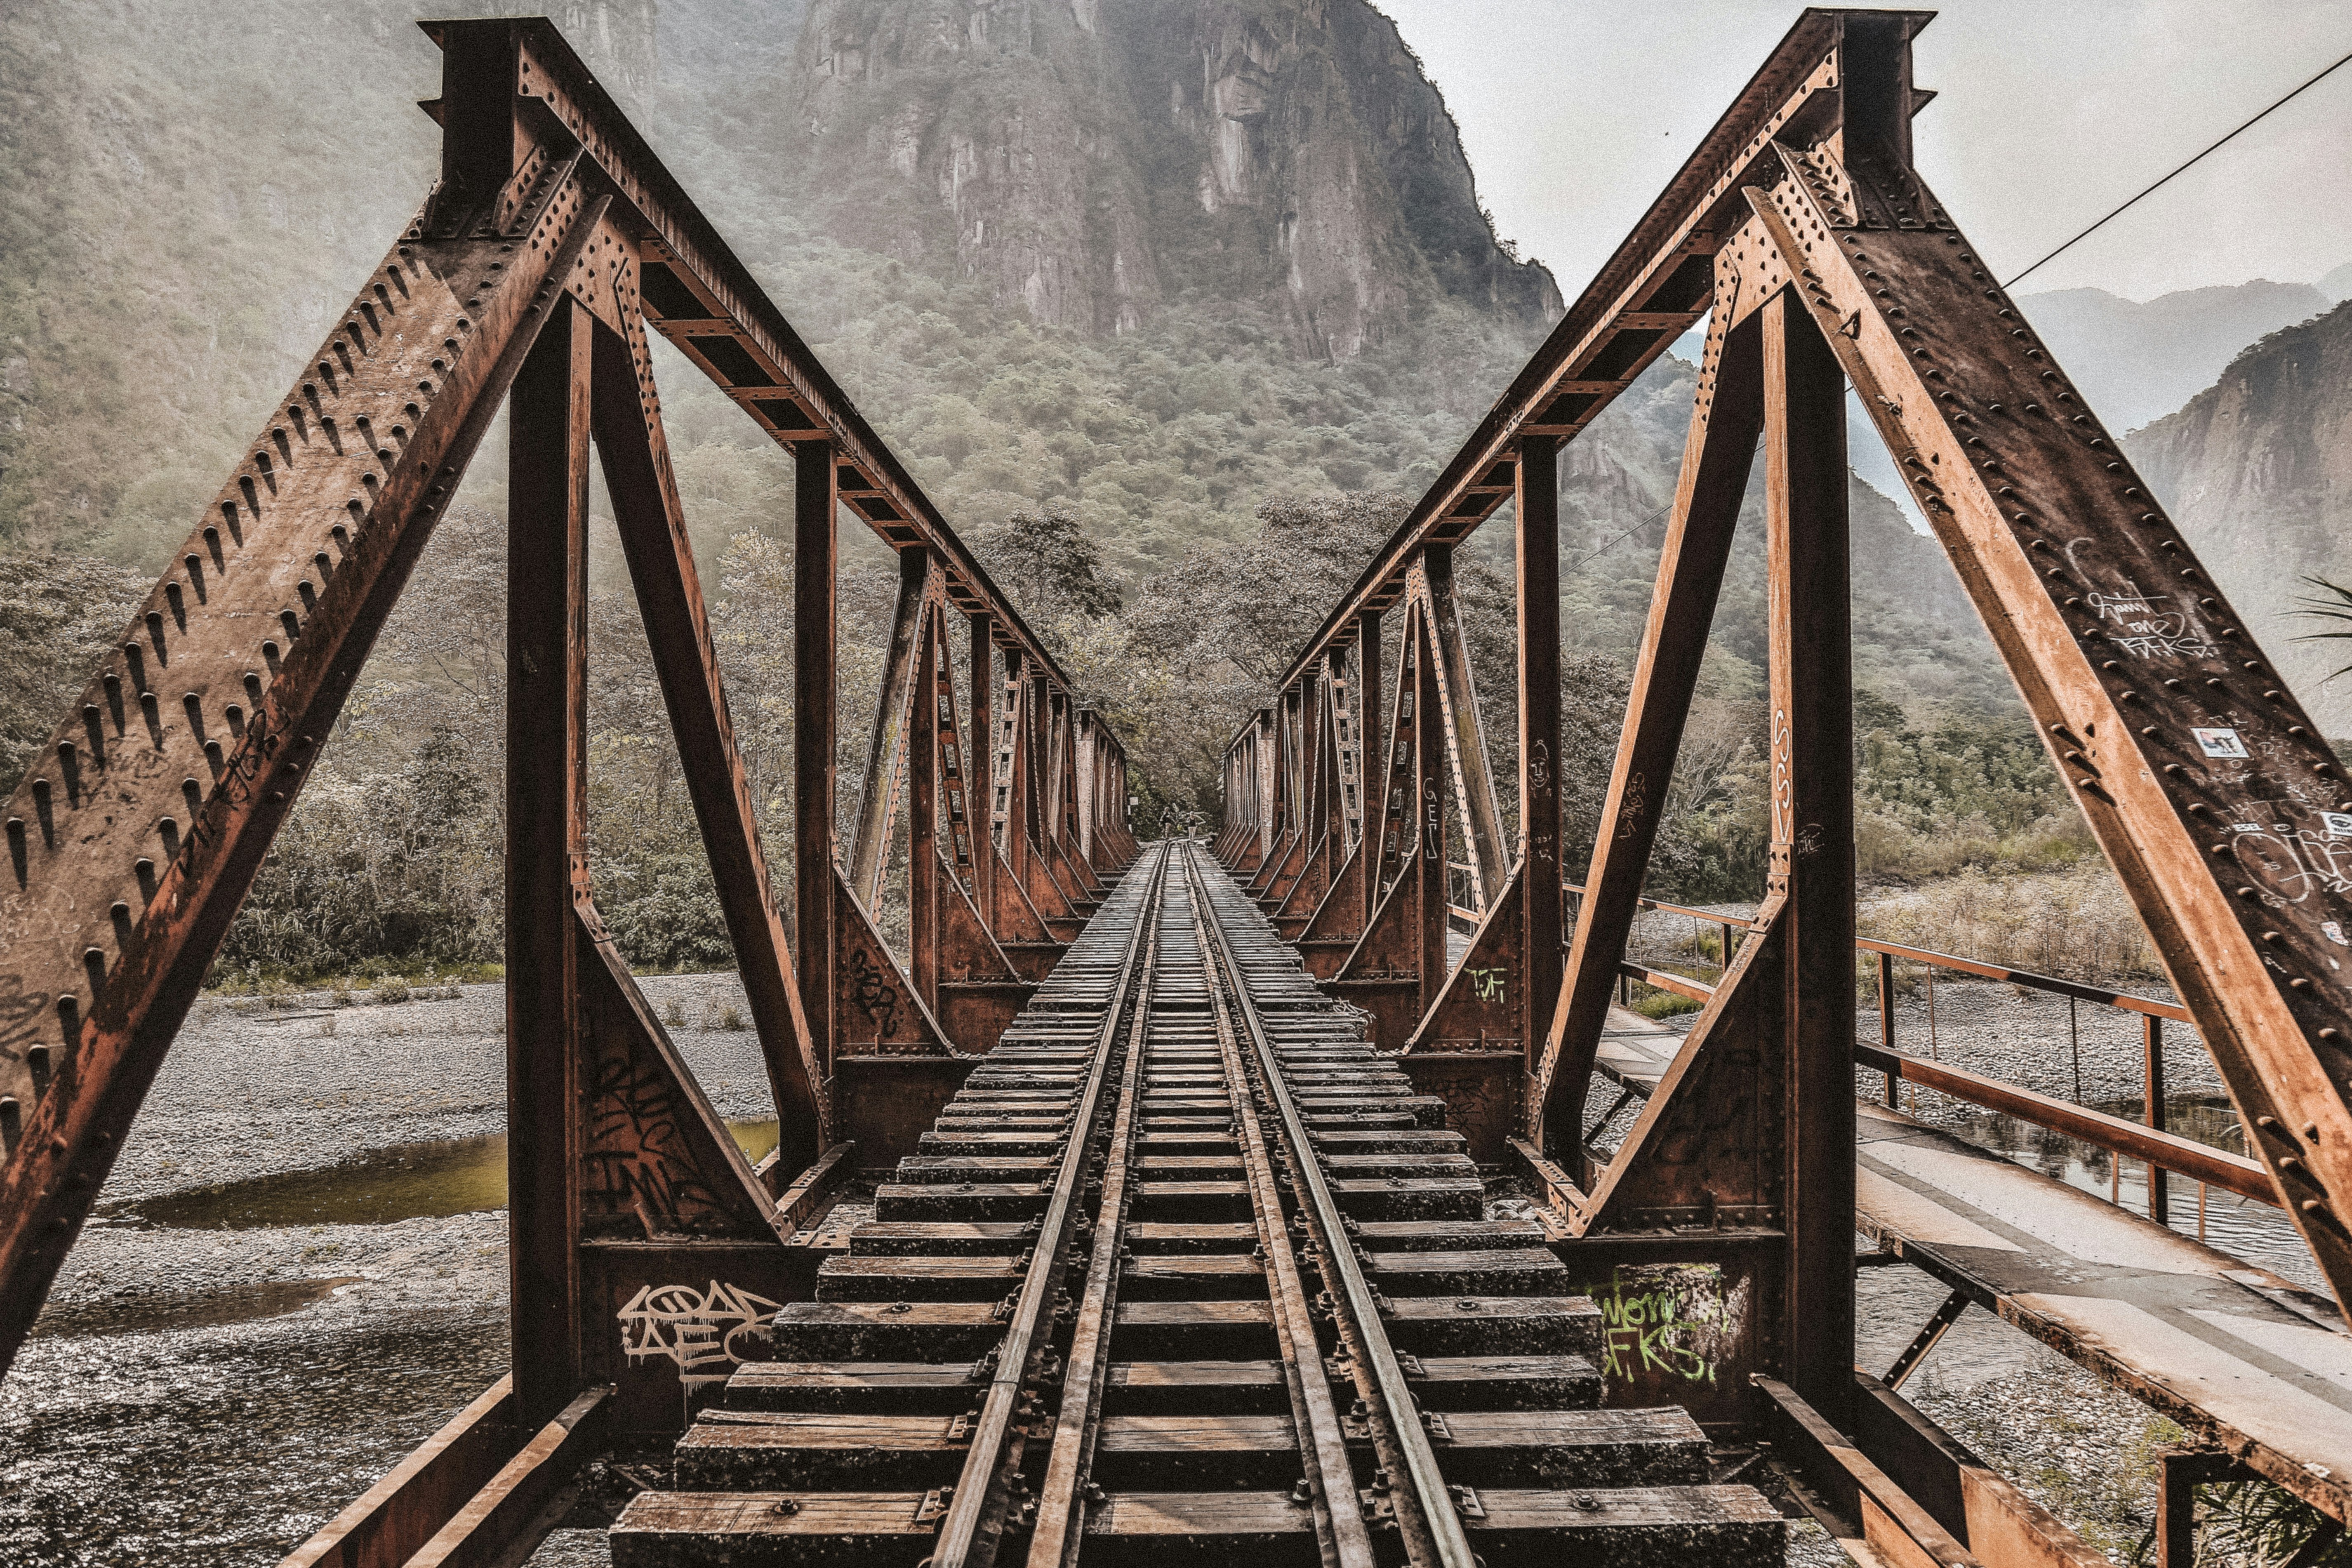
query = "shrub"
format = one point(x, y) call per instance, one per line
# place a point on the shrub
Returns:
point(2075, 923)
point(1665, 1005)
point(666, 916)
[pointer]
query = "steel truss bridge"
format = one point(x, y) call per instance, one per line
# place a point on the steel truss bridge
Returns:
point(1097, 1226)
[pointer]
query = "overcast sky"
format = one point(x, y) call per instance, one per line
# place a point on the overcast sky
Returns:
point(1575, 114)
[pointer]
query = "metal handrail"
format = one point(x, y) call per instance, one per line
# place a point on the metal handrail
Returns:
point(2127, 1001)
point(2151, 1145)
point(2185, 1156)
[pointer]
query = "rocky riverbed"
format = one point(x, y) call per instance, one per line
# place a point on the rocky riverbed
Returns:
point(216, 1375)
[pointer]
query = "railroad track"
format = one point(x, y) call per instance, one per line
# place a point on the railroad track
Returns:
point(1186, 1269)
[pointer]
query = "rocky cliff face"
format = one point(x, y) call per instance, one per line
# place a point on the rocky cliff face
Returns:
point(2258, 470)
point(2138, 361)
point(617, 38)
point(1095, 163)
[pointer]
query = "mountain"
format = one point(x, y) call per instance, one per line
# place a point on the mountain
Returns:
point(1150, 262)
point(1089, 163)
point(2140, 360)
point(2257, 469)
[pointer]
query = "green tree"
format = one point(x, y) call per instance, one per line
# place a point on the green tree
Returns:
point(1049, 566)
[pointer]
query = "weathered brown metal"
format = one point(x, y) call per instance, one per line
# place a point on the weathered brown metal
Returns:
point(212, 706)
point(1538, 877)
point(634, 452)
point(816, 555)
point(1824, 258)
point(2161, 714)
point(1811, 860)
point(547, 851)
point(887, 741)
point(392, 1519)
point(1727, 417)
point(2133, 1140)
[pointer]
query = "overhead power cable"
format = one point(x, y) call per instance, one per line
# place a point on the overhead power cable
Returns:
point(1598, 551)
point(2176, 173)
point(2010, 283)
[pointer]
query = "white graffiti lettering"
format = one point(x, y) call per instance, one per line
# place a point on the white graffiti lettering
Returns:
point(692, 1328)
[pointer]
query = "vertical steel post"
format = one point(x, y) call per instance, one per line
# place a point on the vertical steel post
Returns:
point(923, 807)
point(1812, 847)
point(815, 544)
point(1371, 762)
point(1537, 509)
point(547, 850)
point(1885, 1014)
point(979, 798)
point(2159, 1194)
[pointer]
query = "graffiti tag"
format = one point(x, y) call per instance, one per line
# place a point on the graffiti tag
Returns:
point(1672, 1320)
point(693, 1328)
point(874, 993)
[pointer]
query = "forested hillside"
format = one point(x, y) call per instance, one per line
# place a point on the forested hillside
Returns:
point(1197, 294)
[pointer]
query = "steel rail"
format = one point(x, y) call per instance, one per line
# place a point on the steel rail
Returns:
point(1322, 1444)
point(1399, 1437)
point(969, 1535)
point(1062, 1495)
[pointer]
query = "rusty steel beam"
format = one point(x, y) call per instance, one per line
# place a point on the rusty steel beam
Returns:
point(1536, 552)
point(135, 837)
point(400, 1513)
point(815, 558)
point(698, 295)
point(2203, 779)
point(1613, 333)
point(886, 749)
point(1726, 420)
point(1810, 861)
point(1468, 769)
point(634, 452)
point(547, 850)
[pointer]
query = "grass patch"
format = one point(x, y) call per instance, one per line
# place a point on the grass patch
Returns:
point(1665, 1003)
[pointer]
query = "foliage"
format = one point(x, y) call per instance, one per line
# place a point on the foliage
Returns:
point(1048, 566)
point(666, 915)
point(1665, 1003)
point(2332, 603)
point(2075, 922)
point(392, 865)
point(1175, 507)
point(2257, 1522)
